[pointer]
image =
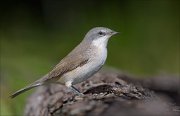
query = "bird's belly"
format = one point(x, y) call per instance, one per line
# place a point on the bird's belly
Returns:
point(80, 73)
point(84, 72)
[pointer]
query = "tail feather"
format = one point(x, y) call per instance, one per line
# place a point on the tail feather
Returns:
point(25, 89)
point(37, 83)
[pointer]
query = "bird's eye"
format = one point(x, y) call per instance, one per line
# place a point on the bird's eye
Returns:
point(101, 33)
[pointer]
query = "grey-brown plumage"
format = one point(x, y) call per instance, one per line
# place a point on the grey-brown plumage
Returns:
point(81, 63)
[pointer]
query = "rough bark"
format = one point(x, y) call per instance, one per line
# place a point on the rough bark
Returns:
point(109, 93)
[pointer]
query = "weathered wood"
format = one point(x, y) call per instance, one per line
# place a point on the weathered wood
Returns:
point(108, 93)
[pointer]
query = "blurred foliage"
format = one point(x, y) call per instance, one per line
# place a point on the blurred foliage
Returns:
point(35, 35)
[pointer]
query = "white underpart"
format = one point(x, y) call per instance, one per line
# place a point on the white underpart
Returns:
point(94, 64)
point(101, 42)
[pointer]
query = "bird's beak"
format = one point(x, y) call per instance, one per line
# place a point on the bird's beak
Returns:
point(113, 33)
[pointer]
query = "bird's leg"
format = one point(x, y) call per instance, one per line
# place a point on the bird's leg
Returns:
point(75, 90)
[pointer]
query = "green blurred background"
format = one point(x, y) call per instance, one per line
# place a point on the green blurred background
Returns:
point(36, 34)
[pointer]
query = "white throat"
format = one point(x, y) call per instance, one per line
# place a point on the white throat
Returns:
point(101, 42)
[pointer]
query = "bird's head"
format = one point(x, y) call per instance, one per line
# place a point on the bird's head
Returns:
point(99, 35)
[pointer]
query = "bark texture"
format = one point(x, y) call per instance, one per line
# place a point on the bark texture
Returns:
point(109, 93)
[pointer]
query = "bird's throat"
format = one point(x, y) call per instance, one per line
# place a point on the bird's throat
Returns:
point(100, 42)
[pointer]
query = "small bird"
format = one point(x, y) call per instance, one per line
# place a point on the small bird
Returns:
point(80, 64)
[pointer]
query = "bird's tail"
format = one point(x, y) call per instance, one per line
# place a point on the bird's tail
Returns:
point(42, 81)
point(33, 85)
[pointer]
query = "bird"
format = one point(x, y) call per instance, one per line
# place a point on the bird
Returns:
point(82, 62)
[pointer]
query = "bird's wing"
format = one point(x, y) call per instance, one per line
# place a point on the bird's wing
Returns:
point(64, 66)
point(76, 58)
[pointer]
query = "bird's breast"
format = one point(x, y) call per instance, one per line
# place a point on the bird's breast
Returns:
point(100, 55)
point(96, 60)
